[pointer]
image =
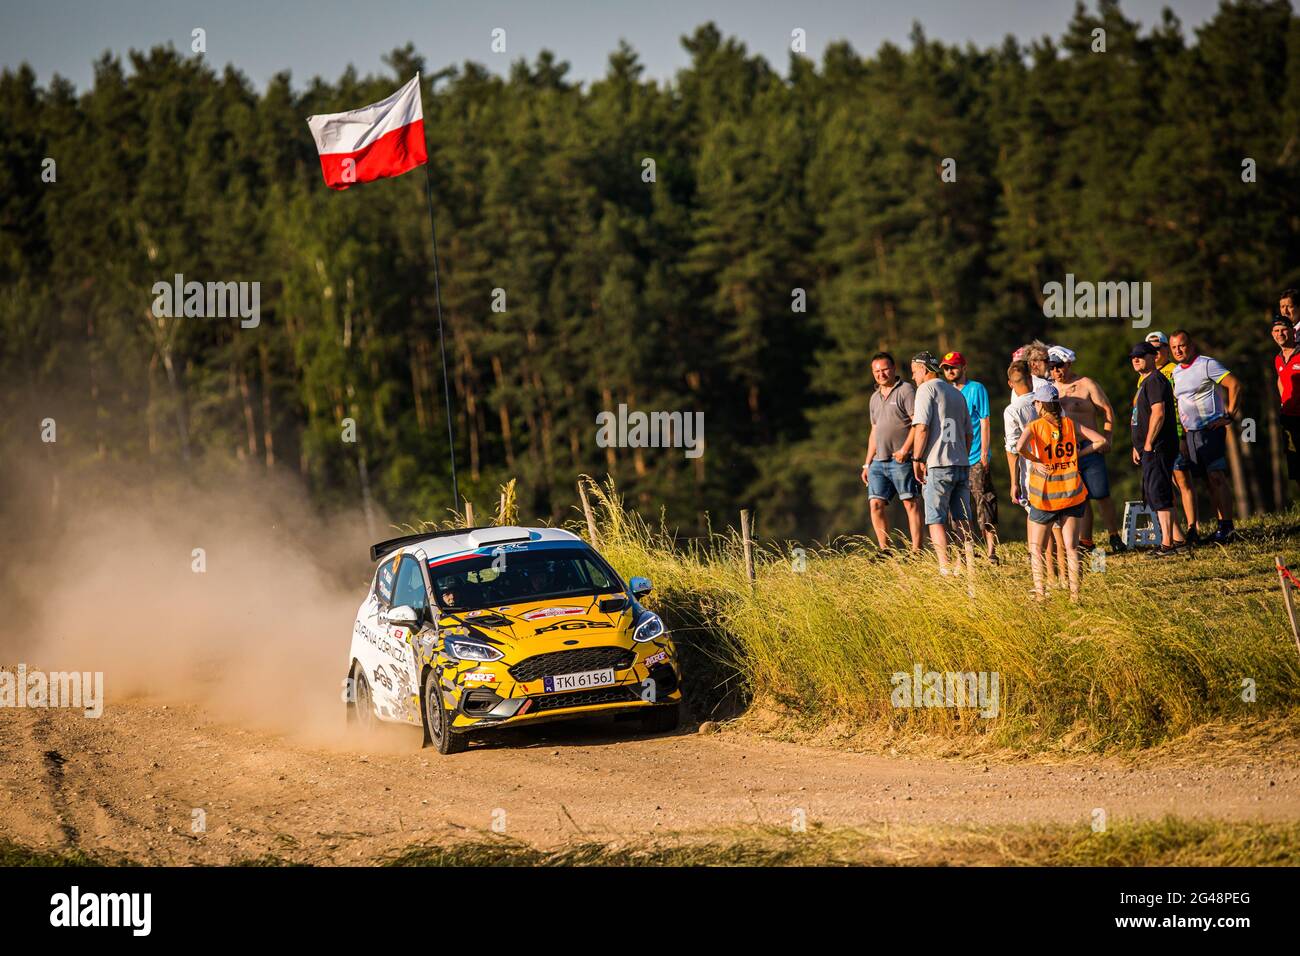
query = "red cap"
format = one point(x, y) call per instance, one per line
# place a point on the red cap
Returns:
point(953, 358)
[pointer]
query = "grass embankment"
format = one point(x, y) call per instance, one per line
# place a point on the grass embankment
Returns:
point(1153, 650)
point(1169, 842)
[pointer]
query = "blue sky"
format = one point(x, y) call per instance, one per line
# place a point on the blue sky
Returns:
point(323, 36)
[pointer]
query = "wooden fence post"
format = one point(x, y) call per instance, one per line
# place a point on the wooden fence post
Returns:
point(1286, 597)
point(593, 538)
point(748, 541)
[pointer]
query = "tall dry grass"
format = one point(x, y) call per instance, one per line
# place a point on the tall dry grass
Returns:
point(1154, 649)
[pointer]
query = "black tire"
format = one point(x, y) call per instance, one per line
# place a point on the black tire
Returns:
point(662, 719)
point(361, 711)
point(437, 723)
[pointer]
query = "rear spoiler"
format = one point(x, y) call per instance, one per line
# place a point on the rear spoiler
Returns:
point(377, 551)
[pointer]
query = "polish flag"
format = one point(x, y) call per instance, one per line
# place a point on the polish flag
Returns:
point(376, 141)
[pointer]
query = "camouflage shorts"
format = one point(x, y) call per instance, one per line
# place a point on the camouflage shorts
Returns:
point(983, 498)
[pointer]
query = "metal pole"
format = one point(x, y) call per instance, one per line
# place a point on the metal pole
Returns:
point(442, 347)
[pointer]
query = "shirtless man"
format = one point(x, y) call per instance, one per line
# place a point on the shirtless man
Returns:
point(1084, 403)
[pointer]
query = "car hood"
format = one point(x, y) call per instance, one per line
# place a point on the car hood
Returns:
point(555, 621)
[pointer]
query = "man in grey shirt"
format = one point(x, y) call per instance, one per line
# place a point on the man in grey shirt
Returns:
point(941, 440)
point(888, 469)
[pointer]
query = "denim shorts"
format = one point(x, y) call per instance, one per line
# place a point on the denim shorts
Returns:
point(1096, 478)
point(946, 493)
point(888, 478)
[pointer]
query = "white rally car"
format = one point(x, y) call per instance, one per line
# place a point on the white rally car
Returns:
point(467, 630)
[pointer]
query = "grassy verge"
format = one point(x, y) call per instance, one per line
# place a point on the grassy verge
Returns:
point(1169, 842)
point(1153, 650)
point(15, 854)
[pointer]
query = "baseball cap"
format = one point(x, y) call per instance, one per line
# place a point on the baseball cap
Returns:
point(1059, 353)
point(927, 359)
point(954, 358)
point(1046, 393)
point(1141, 349)
point(1160, 338)
point(1279, 320)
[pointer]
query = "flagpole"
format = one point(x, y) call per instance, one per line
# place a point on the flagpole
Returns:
point(442, 347)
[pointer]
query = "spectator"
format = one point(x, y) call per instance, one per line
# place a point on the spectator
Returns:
point(1287, 365)
point(1015, 417)
point(983, 495)
point(941, 460)
point(1155, 444)
point(888, 469)
point(1035, 353)
point(1182, 480)
point(1084, 403)
point(1286, 307)
point(1200, 385)
point(1052, 442)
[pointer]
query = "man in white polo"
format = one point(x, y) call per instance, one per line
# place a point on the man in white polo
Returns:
point(1208, 398)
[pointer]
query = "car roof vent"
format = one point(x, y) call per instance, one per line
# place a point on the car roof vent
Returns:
point(481, 537)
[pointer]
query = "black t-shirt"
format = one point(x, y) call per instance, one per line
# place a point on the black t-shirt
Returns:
point(1155, 390)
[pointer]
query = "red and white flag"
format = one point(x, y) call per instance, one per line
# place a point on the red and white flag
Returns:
point(379, 140)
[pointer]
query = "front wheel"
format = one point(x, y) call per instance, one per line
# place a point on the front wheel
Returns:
point(437, 722)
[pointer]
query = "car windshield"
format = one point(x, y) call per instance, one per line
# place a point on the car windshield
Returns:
point(513, 577)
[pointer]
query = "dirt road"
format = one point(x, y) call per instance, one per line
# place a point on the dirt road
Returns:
point(132, 780)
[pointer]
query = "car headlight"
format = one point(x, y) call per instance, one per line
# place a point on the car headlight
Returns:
point(651, 626)
point(472, 651)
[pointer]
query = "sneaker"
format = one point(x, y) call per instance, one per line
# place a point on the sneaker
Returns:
point(1160, 551)
point(1192, 538)
point(1085, 545)
point(1117, 544)
point(994, 560)
point(1224, 536)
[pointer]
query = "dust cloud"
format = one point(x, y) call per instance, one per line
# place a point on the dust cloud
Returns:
point(239, 597)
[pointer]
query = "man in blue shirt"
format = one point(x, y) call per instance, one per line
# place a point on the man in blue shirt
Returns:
point(984, 497)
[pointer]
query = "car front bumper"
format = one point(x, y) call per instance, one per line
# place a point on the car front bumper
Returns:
point(480, 704)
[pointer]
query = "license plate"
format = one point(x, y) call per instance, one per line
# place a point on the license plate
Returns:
point(579, 681)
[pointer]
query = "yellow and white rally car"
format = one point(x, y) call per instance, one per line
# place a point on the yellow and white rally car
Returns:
point(467, 630)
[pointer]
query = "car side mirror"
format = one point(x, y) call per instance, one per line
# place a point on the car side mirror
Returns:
point(404, 616)
point(640, 587)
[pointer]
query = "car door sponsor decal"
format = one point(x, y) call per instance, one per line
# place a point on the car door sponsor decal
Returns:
point(381, 643)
